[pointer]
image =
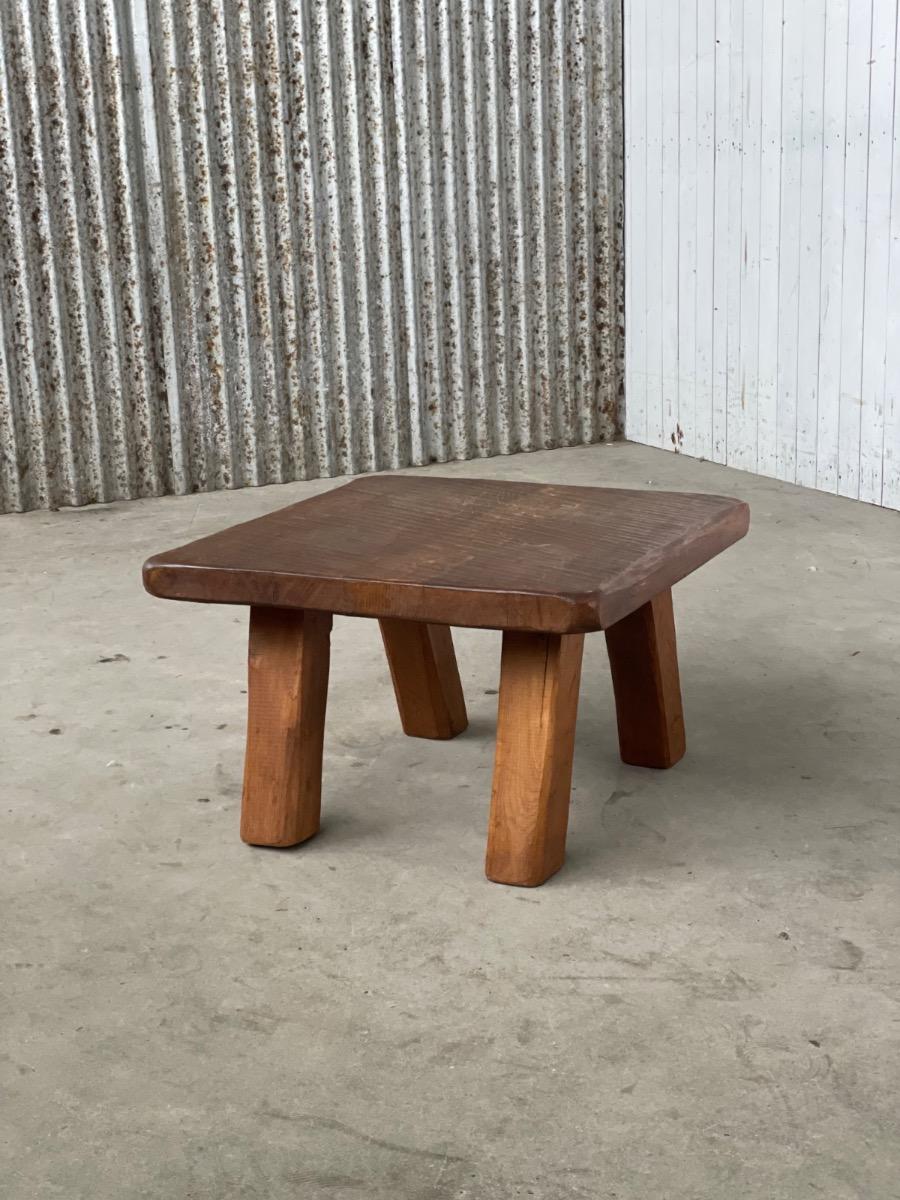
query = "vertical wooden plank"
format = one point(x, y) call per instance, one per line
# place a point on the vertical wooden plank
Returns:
point(637, 259)
point(769, 237)
point(706, 223)
point(837, 15)
point(890, 480)
point(684, 433)
point(808, 284)
point(859, 44)
point(742, 429)
point(735, 200)
point(878, 219)
point(724, 166)
point(670, 221)
point(653, 246)
point(788, 293)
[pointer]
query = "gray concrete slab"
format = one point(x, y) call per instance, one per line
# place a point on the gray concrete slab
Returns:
point(703, 1003)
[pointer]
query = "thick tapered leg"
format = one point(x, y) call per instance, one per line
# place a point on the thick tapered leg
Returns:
point(286, 693)
point(426, 679)
point(644, 664)
point(539, 679)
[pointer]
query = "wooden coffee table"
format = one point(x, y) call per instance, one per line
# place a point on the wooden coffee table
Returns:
point(543, 563)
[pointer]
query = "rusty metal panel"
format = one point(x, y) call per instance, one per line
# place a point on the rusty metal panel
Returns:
point(247, 241)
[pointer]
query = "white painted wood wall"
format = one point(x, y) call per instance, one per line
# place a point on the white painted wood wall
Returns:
point(762, 213)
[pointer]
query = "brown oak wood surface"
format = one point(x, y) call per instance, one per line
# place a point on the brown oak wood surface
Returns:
point(453, 551)
point(286, 696)
point(538, 705)
point(426, 678)
point(644, 664)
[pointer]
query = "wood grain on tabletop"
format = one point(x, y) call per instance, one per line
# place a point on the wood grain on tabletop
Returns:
point(475, 552)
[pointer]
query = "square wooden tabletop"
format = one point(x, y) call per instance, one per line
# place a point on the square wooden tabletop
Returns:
point(455, 551)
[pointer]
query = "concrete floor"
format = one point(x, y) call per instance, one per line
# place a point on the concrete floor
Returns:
point(702, 1004)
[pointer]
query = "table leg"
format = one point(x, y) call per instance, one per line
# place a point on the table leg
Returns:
point(539, 679)
point(286, 693)
point(644, 664)
point(426, 679)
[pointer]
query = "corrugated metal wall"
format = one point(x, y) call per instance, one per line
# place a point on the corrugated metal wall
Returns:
point(763, 218)
point(245, 242)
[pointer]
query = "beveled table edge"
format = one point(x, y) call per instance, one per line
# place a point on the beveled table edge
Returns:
point(445, 604)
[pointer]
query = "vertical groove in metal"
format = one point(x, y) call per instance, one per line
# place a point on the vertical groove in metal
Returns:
point(496, 325)
point(455, 388)
point(607, 213)
point(392, 446)
point(473, 242)
point(25, 476)
point(559, 292)
point(245, 242)
point(307, 363)
point(579, 121)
